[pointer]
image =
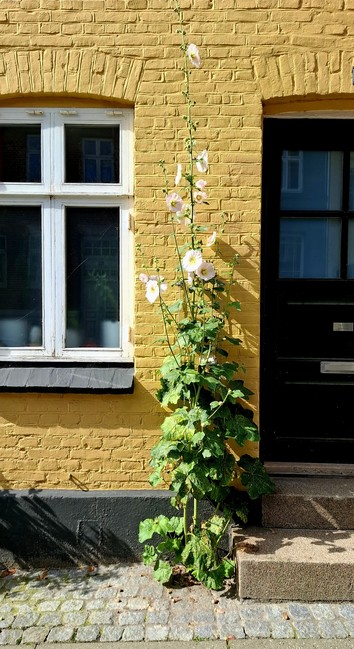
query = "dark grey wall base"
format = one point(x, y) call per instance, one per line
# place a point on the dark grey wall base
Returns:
point(57, 528)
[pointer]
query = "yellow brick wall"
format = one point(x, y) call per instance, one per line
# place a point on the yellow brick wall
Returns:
point(258, 56)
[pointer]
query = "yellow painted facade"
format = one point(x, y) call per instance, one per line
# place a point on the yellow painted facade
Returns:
point(259, 56)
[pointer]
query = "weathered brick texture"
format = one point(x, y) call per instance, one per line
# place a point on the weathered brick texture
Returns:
point(258, 56)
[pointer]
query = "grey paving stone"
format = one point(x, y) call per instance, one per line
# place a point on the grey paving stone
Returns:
point(51, 605)
point(72, 605)
point(322, 611)
point(349, 625)
point(24, 608)
point(305, 628)
point(5, 608)
point(156, 632)
point(34, 634)
point(130, 589)
point(96, 605)
point(131, 617)
point(50, 619)
point(332, 629)
point(87, 633)
point(181, 633)
point(60, 634)
point(346, 610)
point(157, 617)
point(111, 633)
point(10, 636)
point(257, 628)
point(100, 617)
point(155, 591)
point(75, 618)
point(205, 632)
point(276, 611)
point(137, 603)
point(281, 629)
point(297, 610)
point(133, 633)
point(24, 620)
point(118, 603)
point(252, 611)
point(6, 621)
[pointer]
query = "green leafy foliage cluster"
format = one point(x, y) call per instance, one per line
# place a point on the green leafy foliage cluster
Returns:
point(207, 402)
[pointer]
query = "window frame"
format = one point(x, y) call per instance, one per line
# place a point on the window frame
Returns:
point(53, 195)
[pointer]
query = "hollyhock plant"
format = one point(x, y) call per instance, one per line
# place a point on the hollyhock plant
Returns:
point(200, 380)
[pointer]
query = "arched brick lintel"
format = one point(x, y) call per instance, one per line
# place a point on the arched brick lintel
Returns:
point(69, 72)
point(304, 74)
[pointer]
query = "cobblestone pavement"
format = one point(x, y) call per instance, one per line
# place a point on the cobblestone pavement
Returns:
point(124, 603)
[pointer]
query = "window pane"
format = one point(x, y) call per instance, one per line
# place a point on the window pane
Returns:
point(311, 180)
point(20, 277)
point(309, 248)
point(20, 154)
point(91, 154)
point(92, 272)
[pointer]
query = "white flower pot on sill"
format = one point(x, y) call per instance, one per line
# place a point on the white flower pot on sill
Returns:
point(110, 333)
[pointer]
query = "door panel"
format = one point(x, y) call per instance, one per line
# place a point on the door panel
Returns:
point(308, 291)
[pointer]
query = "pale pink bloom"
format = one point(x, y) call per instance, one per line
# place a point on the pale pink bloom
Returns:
point(190, 278)
point(152, 290)
point(193, 55)
point(161, 282)
point(199, 196)
point(205, 271)
point(211, 240)
point(178, 174)
point(201, 184)
point(174, 202)
point(202, 161)
point(191, 260)
point(185, 214)
point(143, 277)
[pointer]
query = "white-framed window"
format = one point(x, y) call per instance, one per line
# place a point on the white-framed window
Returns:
point(66, 263)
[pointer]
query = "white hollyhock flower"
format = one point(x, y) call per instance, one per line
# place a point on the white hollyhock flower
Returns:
point(201, 184)
point(211, 240)
point(143, 277)
point(193, 55)
point(152, 290)
point(178, 174)
point(185, 215)
point(191, 260)
point(205, 271)
point(190, 278)
point(199, 196)
point(202, 161)
point(174, 202)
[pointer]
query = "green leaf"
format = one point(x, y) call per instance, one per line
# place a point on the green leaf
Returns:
point(146, 529)
point(176, 306)
point(254, 477)
point(240, 428)
point(162, 571)
point(149, 555)
point(235, 305)
point(232, 340)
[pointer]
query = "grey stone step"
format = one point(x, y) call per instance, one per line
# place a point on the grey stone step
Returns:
point(310, 503)
point(305, 565)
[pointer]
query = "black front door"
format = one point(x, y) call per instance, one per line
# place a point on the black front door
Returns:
point(307, 334)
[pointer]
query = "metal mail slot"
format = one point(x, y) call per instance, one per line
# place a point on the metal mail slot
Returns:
point(337, 367)
point(343, 326)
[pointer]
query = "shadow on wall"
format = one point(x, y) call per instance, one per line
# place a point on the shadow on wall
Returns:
point(63, 529)
point(66, 528)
